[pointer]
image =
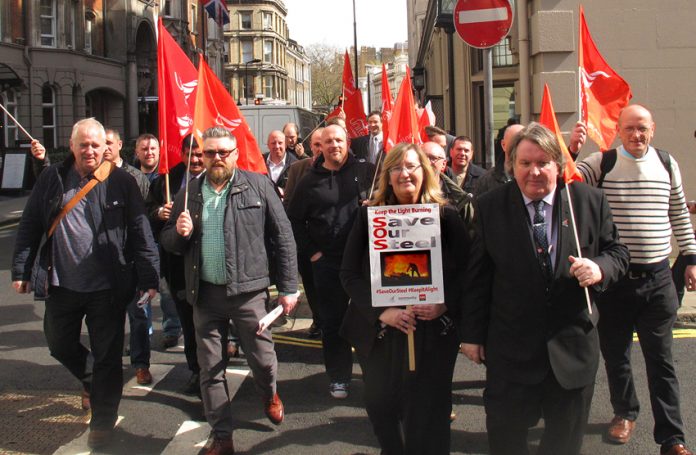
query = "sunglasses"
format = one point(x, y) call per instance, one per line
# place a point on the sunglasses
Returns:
point(221, 153)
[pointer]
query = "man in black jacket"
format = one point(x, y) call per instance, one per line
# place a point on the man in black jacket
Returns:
point(159, 207)
point(524, 307)
point(99, 253)
point(234, 229)
point(464, 171)
point(332, 191)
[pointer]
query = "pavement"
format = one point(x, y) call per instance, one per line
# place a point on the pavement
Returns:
point(11, 207)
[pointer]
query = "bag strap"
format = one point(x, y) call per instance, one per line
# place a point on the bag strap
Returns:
point(100, 174)
point(606, 165)
point(666, 162)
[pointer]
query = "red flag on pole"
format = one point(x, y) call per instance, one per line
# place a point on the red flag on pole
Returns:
point(176, 82)
point(387, 106)
point(215, 107)
point(403, 126)
point(603, 93)
point(547, 117)
point(356, 123)
point(426, 117)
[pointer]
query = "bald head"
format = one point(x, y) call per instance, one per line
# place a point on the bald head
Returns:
point(636, 129)
point(510, 133)
point(436, 154)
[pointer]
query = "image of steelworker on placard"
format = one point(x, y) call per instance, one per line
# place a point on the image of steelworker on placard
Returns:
point(406, 269)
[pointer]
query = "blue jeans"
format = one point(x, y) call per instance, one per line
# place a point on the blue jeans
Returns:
point(171, 325)
point(140, 320)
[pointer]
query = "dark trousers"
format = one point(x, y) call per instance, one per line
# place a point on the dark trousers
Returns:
point(105, 319)
point(410, 411)
point(512, 408)
point(304, 266)
point(185, 312)
point(333, 303)
point(648, 304)
point(212, 314)
point(140, 321)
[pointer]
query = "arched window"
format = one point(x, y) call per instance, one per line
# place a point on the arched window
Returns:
point(48, 105)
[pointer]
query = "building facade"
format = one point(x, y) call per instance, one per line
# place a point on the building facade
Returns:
point(652, 45)
point(263, 63)
point(62, 60)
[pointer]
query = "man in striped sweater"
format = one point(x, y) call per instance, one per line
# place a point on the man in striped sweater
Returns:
point(645, 193)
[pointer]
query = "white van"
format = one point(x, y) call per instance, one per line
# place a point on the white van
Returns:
point(263, 119)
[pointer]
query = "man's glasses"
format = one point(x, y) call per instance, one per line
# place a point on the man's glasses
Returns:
point(410, 169)
point(221, 153)
point(435, 159)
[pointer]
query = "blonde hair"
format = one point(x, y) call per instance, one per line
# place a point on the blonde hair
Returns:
point(430, 188)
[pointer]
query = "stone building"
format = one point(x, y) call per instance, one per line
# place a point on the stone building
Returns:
point(62, 60)
point(263, 63)
point(652, 45)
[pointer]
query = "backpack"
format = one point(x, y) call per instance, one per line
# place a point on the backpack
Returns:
point(609, 160)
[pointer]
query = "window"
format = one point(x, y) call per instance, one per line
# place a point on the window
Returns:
point(47, 12)
point(267, 21)
point(89, 27)
point(268, 86)
point(193, 19)
point(245, 20)
point(48, 105)
point(247, 47)
point(502, 54)
point(9, 99)
point(268, 51)
point(71, 26)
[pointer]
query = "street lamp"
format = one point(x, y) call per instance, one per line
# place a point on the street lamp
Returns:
point(246, 77)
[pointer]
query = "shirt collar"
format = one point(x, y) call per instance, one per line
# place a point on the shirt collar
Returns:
point(548, 199)
point(282, 162)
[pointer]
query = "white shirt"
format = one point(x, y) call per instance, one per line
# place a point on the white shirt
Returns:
point(275, 169)
point(375, 146)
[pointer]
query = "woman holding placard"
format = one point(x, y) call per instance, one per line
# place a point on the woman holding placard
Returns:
point(394, 251)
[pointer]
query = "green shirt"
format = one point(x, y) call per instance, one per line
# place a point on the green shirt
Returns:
point(213, 236)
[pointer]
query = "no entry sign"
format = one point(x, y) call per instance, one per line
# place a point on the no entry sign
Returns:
point(482, 23)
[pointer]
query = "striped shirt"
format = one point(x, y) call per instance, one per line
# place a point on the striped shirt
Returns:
point(213, 238)
point(647, 208)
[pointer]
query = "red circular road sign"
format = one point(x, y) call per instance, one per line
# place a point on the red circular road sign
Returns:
point(482, 23)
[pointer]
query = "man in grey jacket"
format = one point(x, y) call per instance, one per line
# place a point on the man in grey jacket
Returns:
point(234, 231)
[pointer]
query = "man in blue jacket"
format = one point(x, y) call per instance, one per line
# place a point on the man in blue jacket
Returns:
point(89, 267)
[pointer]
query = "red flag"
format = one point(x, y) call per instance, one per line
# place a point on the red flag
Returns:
point(338, 112)
point(426, 117)
point(176, 82)
point(387, 106)
point(215, 107)
point(603, 93)
point(356, 123)
point(403, 126)
point(547, 117)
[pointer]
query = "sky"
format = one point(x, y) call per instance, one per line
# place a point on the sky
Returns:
point(380, 23)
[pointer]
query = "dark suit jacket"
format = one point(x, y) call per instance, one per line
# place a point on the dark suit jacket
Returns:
point(473, 173)
point(361, 147)
point(283, 178)
point(295, 173)
point(529, 325)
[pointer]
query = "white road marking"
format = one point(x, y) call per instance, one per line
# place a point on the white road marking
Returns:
point(78, 446)
point(133, 389)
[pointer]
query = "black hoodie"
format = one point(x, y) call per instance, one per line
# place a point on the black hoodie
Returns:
point(323, 216)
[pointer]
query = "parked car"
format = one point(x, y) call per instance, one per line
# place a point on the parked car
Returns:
point(263, 119)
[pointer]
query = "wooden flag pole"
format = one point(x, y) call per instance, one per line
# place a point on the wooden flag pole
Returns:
point(577, 244)
point(411, 348)
point(16, 122)
point(168, 197)
point(188, 174)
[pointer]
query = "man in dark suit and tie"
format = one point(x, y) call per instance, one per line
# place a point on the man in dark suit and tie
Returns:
point(369, 146)
point(525, 312)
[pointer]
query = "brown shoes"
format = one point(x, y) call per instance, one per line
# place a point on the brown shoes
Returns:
point(86, 405)
point(274, 410)
point(99, 438)
point(677, 449)
point(143, 376)
point(620, 430)
point(220, 447)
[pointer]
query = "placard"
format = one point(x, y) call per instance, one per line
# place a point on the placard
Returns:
point(405, 255)
point(13, 171)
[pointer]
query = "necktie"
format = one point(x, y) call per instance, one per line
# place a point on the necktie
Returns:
point(541, 242)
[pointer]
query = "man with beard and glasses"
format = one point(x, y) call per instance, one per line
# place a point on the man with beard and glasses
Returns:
point(233, 219)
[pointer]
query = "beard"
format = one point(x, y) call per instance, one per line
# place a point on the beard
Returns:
point(219, 174)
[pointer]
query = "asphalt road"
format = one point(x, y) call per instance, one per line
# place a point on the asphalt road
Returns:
point(39, 408)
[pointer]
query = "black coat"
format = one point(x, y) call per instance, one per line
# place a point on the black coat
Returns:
point(361, 323)
point(124, 237)
point(283, 177)
point(322, 218)
point(258, 237)
point(527, 325)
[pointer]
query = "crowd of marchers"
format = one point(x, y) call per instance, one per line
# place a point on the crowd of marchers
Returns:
point(540, 274)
